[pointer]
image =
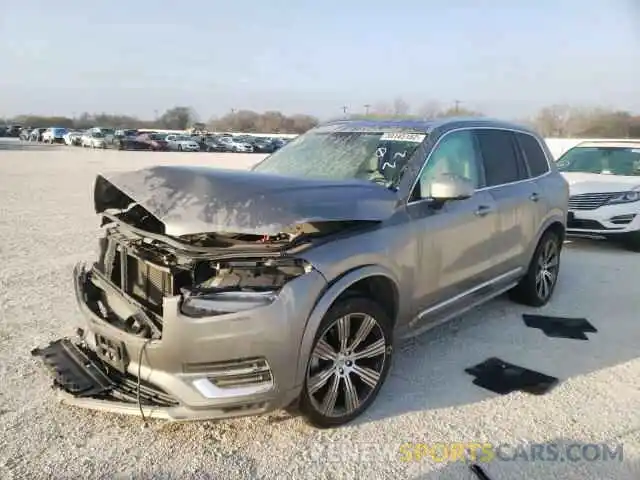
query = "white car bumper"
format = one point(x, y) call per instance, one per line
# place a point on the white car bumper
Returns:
point(608, 220)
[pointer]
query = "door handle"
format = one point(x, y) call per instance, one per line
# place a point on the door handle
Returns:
point(483, 210)
point(534, 197)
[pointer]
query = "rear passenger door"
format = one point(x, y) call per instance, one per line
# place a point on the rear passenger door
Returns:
point(538, 166)
point(508, 182)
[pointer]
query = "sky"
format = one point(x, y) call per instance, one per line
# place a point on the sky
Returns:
point(138, 57)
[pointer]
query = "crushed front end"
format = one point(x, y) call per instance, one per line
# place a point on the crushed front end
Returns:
point(186, 329)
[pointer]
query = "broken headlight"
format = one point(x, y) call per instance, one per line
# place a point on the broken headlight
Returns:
point(231, 287)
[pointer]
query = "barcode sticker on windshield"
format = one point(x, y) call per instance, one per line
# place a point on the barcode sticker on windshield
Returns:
point(635, 150)
point(404, 137)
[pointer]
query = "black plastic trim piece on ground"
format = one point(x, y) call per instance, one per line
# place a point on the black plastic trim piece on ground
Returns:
point(560, 327)
point(503, 378)
point(479, 472)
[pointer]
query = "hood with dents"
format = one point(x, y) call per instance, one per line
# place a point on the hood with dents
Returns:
point(580, 183)
point(193, 200)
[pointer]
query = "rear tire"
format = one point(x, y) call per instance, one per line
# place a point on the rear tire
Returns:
point(537, 286)
point(348, 364)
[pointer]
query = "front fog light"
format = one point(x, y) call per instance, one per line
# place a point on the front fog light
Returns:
point(206, 305)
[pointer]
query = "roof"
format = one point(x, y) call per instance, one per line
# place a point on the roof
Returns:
point(631, 143)
point(426, 126)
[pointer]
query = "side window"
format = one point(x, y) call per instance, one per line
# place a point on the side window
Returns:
point(455, 154)
point(502, 164)
point(533, 153)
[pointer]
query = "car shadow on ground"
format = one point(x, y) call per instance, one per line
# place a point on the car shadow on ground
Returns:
point(577, 459)
point(429, 371)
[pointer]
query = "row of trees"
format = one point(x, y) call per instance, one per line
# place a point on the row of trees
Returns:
point(551, 121)
point(180, 118)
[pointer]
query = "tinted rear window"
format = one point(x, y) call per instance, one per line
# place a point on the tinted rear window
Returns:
point(533, 153)
point(501, 161)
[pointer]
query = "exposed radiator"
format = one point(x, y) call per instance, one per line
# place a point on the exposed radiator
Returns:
point(146, 282)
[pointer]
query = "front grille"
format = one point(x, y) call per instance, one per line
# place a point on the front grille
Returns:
point(589, 201)
point(585, 224)
point(235, 373)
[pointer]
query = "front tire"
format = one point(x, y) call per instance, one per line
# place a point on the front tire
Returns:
point(537, 286)
point(349, 362)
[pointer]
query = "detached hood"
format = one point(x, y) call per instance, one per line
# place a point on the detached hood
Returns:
point(192, 200)
point(599, 183)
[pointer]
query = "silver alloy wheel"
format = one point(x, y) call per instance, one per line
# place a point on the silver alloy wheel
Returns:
point(346, 364)
point(547, 271)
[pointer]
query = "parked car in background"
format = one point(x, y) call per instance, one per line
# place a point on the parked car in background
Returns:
point(213, 144)
point(127, 132)
point(234, 145)
point(263, 145)
point(13, 130)
point(278, 143)
point(73, 138)
point(25, 133)
point(182, 143)
point(604, 181)
point(36, 134)
point(154, 141)
point(130, 142)
point(242, 292)
point(54, 135)
point(108, 133)
point(94, 139)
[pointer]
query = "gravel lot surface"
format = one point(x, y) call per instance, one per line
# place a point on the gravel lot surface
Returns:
point(47, 224)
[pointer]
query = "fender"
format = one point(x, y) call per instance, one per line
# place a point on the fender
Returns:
point(324, 303)
point(556, 215)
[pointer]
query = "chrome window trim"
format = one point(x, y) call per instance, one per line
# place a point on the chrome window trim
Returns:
point(483, 189)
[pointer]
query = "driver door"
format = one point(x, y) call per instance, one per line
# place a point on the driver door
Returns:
point(456, 247)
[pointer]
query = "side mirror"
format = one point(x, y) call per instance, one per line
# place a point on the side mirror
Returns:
point(450, 187)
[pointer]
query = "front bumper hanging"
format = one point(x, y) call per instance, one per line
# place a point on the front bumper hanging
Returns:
point(79, 373)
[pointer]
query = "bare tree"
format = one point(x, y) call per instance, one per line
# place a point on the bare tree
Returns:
point(430, 109)
point(400, 107)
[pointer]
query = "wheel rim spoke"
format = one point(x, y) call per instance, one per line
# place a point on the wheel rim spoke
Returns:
point(367, 375)
point(375, 349)
point(320, 380)
point(363, 332)
point(324, 351)
point(352, 400)
point(344, 330)
point(329, 401)
point(339, 378)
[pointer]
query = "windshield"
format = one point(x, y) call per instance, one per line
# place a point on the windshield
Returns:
point(602, 160)
point(98, 135)
point(342, 155)
point(157, 136)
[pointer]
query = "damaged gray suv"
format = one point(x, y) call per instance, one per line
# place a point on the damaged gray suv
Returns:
point(221, 293)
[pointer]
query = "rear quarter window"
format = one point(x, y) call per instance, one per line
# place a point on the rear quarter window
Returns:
point(533, 154)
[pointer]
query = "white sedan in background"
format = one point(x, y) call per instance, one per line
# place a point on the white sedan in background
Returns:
point(604, 185)
point(73, 138)
point(182, 143)
point(94, 140)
